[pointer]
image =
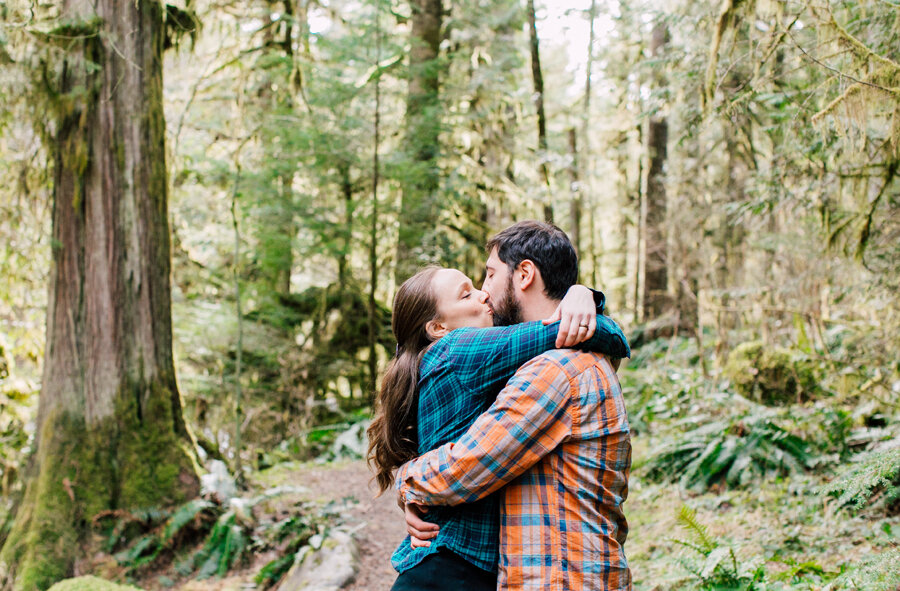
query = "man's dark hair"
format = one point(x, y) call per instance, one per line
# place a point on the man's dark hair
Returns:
point(545, 245)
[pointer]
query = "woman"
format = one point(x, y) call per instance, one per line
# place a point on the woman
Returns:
point(450, 365)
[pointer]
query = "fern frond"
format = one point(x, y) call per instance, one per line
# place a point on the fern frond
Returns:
point(858, 483)
point(874, 573)
point(687, 517)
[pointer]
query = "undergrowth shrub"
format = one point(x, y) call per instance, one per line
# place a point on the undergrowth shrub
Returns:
point(714, 565)
point(228, 534)
point(291, 534)
point(871, 481)
point(879, 572)
point(734, 452)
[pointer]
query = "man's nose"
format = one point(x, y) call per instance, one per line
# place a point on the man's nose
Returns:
point(483, 296)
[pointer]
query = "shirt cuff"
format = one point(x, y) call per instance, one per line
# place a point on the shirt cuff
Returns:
point(599, 301)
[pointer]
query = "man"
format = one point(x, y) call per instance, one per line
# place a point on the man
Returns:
point(557, 435)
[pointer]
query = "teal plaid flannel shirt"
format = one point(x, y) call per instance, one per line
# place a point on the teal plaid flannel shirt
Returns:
point(460, 376)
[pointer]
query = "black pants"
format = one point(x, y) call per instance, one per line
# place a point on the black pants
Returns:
point(445, 571)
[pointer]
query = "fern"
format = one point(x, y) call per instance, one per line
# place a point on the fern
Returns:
point(880, 572)
point(717, 566)
point(876, 472)
point(687, 518)
point(734, 453)
point(272, 572)
point(183, 516)
point(224, 547)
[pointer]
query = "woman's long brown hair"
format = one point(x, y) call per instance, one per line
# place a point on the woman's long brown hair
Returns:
point(393, 436)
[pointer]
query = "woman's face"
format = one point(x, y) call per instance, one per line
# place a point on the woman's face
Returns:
point(459, 304)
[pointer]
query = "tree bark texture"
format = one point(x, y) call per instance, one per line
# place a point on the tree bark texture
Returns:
point(656, 300)
point(110, 432)
point(419, 210)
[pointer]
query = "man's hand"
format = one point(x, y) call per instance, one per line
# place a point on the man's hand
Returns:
point(577, 314)
point(419, 531)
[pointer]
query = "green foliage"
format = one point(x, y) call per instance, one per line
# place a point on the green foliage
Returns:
point(225, 545)
point(734, 453)
point(291, 534)
point(716, 565)
point(873, 478)
point(770, 375)
point(272, 572)
point(186, 521)
point(878, 572)
point(228, 537)
point(13, 434)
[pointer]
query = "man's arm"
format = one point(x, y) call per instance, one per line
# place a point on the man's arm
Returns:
point(527, 421)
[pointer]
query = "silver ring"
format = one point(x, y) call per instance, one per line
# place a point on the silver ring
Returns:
point(582, 326)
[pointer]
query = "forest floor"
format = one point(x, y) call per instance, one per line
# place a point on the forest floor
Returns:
point(773, 520)
point(377, 525)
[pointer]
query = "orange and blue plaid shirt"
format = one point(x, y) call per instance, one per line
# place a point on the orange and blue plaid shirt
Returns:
point(558, 436)
point(460, 376)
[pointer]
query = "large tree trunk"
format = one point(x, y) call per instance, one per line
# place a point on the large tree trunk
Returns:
point(419, 208)
point(110, 432)
point(656, 277)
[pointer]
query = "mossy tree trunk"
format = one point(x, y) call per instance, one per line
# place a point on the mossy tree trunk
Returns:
point(110, 428)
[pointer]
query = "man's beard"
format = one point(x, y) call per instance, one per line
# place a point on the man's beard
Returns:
point(507, 310)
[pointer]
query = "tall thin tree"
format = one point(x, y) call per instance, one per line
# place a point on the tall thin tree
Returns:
point(656, 271)
point(537, 77)
point(419, 202)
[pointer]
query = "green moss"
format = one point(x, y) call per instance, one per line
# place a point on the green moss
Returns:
point(74, 30)
point(90, 584)
point(133, 460)
point(146, 430)
point(45, 538)
point(770, 375)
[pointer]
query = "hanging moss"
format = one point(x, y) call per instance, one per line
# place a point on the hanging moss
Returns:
point(70, 31)
point(770, 375)
point(181, 23)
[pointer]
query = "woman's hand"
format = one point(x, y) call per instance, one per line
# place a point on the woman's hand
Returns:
point(419, 531)
point(577, 315)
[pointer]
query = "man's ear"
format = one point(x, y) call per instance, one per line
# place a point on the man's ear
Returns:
point(525, 274)
point(436, 329)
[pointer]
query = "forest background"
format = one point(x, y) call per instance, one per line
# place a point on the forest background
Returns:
point(230, 193)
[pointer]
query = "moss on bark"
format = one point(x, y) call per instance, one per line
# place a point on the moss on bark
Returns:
point(132, 460)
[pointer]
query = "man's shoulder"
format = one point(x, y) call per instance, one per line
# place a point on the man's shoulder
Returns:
point(572, 362)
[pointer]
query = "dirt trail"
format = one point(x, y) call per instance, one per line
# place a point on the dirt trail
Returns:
point(380, 522)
